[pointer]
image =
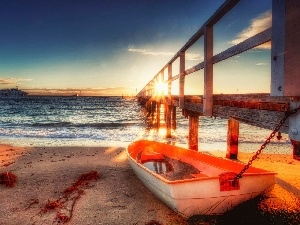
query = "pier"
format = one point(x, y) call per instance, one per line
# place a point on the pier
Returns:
point(259, 109)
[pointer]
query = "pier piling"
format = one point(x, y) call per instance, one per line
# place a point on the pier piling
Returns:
point(232, 139)
point(168, 120)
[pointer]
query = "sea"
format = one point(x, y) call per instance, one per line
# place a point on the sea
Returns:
point(112, 121)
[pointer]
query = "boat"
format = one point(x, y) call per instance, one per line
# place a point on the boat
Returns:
point(194, 183)
point(12, 92)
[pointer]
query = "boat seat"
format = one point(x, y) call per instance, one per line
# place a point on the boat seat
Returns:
point(198, 175)
point(147, 156)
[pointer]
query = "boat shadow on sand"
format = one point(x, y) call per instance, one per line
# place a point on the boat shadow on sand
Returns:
point(264, 209)
point(249, 213)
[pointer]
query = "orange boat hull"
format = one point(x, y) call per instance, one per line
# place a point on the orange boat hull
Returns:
point(190, 182)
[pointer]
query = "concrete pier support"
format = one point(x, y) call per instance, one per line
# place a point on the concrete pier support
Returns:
point(232, 139)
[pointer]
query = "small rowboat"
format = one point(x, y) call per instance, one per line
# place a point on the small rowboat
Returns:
point(194, 183)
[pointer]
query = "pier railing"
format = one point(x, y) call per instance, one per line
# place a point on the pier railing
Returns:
point(262, 110)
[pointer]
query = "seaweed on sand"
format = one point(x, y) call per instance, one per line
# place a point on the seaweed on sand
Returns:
point(82, 182)
point(8, 178)
point(70, 197)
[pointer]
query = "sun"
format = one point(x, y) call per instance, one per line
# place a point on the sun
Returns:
point(161, 88)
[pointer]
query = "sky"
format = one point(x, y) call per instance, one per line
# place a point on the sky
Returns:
point(115, 47)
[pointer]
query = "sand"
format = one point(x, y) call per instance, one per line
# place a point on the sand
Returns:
point(117, 196)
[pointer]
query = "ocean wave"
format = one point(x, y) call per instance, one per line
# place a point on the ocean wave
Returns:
point(52, 124)
point(79, 125)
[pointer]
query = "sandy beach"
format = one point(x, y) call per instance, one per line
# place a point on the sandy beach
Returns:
point(116, 196)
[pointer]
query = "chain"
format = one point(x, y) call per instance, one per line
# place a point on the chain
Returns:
point(287, 114)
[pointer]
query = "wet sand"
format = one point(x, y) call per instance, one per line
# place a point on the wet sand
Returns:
point(117, 196)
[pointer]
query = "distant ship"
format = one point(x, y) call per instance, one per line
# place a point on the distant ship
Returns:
point(12, 92)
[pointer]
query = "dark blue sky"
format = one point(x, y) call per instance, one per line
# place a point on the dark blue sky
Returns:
point(101, 44)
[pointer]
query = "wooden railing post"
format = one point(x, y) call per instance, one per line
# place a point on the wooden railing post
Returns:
point(208, 71)
point(285, 52)
point(181, 80)
point(169, 83)
point(169, 103)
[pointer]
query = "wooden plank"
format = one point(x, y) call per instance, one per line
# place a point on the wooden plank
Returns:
point(175, 77)
point(195, 68)
point(250, 43)
point(208, 72)
point(270, 106)
point(189, 71)
point(199, 66)
point(256, 113)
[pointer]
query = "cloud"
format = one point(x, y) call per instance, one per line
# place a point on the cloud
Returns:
point(149, 52)
point(188, 56)
point(7, 81)
point(258, 24)
point(10, 81)
point(262, 64)
point(194, 57)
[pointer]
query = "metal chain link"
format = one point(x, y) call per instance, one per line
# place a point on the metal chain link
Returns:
point(287, 114)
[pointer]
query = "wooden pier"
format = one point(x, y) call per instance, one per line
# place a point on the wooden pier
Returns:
point(259, 109)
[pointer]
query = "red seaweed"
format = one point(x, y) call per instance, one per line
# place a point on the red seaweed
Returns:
point(51, 205)
point(8, 178)
point(62, 217)
point(82, 181)
point(77, 190)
